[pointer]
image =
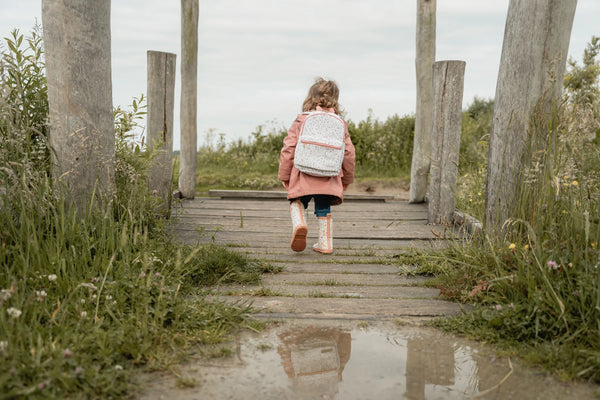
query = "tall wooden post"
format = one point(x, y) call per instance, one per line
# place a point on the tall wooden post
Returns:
point(424, 111)
point(161, 102)
point(189, 98)
point(534, 52)
point(78, 72)
point(448, 84)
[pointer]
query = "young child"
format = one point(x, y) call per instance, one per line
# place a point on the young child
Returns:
point(326, 191)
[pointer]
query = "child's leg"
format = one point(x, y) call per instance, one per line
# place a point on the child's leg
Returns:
point(299, 227)
point(323, 212)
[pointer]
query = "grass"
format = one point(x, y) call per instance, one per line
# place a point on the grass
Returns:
point(536, 289)
point(85, 300)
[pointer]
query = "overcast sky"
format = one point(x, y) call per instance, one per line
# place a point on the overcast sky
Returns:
point(257, 58)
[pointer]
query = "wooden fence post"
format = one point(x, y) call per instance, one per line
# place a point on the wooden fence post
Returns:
point(78, 73)
point(189, 98)
point(534, 52)
point(448, 83)
point(425, 58)
point(161, 102)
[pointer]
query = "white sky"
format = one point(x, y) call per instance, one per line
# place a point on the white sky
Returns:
point(258, 58)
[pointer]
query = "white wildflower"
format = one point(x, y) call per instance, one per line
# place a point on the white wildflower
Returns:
point(118, 367)
point(82, 301)
point(3, 346)
point(108, 297)
point(52, 277)
point(83, 314)
point(41, 294)
point(14, 312)
point(5, 294)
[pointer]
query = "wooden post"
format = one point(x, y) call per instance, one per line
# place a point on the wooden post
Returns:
point(448, 83)
point(424, 110)
point(534, 52)
point(189, 98)
point(78, 72)
point(161, 102)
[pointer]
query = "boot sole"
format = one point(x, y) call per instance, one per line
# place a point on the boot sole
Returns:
point(323, 251)
point(298, 242)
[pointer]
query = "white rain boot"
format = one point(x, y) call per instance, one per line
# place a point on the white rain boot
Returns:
point(325, 242)
point(299, 227)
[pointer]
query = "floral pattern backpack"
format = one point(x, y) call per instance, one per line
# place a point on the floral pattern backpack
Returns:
point(320, 147)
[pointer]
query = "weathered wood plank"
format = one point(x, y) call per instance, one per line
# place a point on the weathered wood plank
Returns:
point(282, 195)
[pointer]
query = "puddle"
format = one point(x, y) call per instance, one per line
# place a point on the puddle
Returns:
point(318, 360)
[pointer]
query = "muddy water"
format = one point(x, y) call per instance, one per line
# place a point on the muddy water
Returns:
point(325, 360)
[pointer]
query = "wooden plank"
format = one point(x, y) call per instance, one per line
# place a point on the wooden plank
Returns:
point(266, 204)
point(278, 194)
point(284, 214)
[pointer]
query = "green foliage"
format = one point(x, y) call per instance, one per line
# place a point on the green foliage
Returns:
point(581, 82)
point(24, 97)
point(83, 300)
point(383, 149)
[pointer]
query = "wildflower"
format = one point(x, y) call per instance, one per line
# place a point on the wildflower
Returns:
point(155, 192)
point(14, 312)
point(42, 385)
point(118, 368)
point(5, 294)
point(157, 275)
point(498, 307)
point(575, 183)
point(526, 247)
point(78, 370)
point(512, 246)
point(82, 301)
point(552, 265)
point(511, 306)
point(108, 297)
point(52, 277)
point(142, 275)
point(3, 346)
point(40, 294)
point(67, 353)
point(83, 314)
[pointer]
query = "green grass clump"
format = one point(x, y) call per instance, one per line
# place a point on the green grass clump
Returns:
point(537, 287)
point(84, 299)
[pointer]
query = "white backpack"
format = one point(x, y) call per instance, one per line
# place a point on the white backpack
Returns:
point(320, 147)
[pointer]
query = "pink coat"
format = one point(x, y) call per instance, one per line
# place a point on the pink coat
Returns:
point(300, 184)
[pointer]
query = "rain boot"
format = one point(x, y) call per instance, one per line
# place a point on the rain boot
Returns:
point(325, 242)
point(299, 226)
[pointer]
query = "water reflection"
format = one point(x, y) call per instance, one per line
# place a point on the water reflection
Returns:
point(314, 359)
point(331, 360)
point(383, 365)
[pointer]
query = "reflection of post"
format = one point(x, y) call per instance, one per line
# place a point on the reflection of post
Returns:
point(314, 358)
point(427, 362)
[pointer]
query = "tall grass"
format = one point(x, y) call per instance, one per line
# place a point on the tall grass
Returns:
point(84, 300)
point(537, 290)
point(383, 150)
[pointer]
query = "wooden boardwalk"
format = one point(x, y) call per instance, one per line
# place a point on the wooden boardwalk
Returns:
point(361, 280)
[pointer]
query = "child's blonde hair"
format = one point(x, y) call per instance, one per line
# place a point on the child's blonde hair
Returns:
point(322, 93)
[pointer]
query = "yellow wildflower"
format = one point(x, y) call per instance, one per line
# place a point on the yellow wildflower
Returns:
point(511, 246)
point(575, 183)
